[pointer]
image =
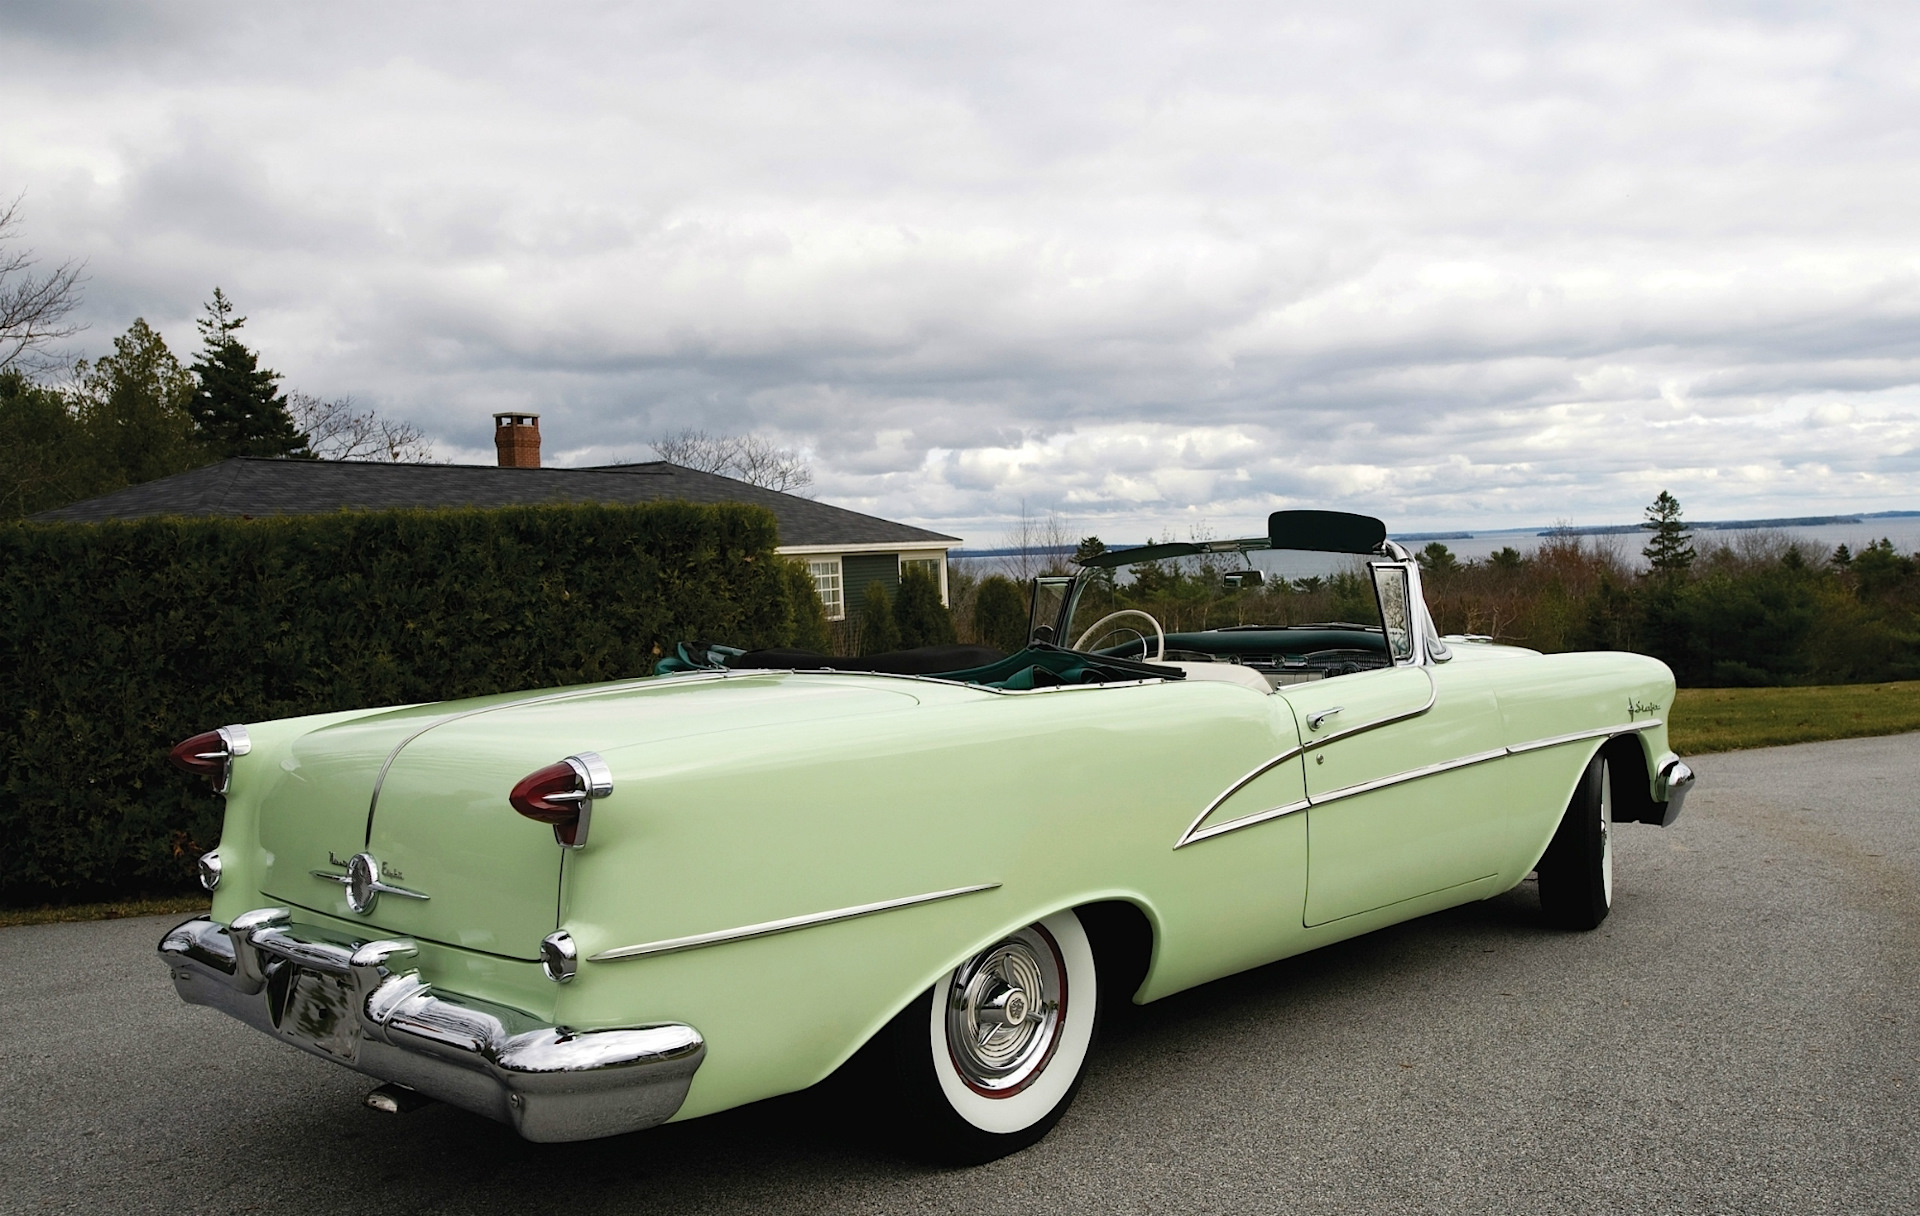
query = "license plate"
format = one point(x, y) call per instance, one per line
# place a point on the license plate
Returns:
point(313, 1009)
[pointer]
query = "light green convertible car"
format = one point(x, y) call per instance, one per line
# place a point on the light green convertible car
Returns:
point(586, 911)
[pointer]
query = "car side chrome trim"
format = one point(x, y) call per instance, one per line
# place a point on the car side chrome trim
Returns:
point(1412, 774)
point(673, 945)
point(1596, 733)
point(1195, 833)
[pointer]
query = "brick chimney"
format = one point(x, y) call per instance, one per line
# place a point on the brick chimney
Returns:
point(516, 437)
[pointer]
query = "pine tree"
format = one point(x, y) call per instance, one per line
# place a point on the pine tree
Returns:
point(1100, 577)
point(1436, 558)
point(1670, 551)
point(237, 409)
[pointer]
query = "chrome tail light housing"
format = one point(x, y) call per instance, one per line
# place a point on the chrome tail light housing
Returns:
point(210, 754)
point(562, 794)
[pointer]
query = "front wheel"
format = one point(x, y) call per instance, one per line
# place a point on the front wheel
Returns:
point(1576, 874)
point(990, 1059)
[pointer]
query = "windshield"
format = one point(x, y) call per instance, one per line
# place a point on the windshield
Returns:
point(1214, 591)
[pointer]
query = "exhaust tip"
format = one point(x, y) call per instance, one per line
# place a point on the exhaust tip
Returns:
point(397, 1099)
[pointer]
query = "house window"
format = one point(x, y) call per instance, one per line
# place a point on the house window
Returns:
point(826, 581)
point(929, 566)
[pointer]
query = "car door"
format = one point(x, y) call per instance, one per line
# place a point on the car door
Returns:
point(1402, 768)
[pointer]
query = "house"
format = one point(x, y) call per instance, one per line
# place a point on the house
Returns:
point(845, 550)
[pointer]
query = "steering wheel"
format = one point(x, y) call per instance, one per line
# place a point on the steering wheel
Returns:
point(1094, 631)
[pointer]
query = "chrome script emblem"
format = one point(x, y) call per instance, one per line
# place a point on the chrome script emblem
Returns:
point(363, 882)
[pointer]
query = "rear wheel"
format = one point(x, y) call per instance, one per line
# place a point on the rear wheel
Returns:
point(990, 1059)
point(1576, 874)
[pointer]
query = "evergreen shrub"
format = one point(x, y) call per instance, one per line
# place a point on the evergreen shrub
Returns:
point(118, 640)
point(1000, 613)
point(921, 618)
point(878, 632)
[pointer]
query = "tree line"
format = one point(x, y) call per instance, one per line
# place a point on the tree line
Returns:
point(80, 429)
point(139, 414)
point(1761, 610)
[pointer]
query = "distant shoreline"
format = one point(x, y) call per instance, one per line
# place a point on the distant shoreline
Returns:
point(1700, 525)
point(1703, 525)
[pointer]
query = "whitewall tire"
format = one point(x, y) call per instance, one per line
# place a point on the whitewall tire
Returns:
point(991, 1058)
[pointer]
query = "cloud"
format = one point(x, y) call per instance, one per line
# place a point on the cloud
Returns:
point(1486, 264)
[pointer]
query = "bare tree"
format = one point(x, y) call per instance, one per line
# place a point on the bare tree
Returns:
point(33, 307)
point(337, 430)
point(754, 459)
point(1038, 545)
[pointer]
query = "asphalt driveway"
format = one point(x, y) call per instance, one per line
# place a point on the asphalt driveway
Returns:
point(1740, 1036)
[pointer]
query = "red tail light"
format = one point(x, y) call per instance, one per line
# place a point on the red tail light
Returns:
point(562, 794)
point(552, 794)
point(211, 754)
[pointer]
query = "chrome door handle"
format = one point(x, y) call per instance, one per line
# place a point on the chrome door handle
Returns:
point(1314, 721)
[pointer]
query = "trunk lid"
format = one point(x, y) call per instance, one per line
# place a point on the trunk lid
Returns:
point(442, 826)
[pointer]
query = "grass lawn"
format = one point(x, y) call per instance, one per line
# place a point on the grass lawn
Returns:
point(179, 905)
point(1728, 719)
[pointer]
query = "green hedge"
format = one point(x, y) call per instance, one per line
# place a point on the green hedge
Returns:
point(118, 640)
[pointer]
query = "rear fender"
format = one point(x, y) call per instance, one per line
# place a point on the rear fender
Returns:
point(1122, 927)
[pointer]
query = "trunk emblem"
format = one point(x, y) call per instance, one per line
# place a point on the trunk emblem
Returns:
point(362, 881)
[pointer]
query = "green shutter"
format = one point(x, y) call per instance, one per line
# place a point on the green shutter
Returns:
point(859, 569)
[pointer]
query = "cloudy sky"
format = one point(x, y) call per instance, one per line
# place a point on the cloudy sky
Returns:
point(1156, 268)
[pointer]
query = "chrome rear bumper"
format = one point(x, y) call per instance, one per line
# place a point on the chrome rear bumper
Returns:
point(350, 1001)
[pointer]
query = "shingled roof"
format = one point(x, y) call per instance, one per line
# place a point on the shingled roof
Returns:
point(246, 486)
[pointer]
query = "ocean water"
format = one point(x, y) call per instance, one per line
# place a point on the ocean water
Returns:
point(1818, 539)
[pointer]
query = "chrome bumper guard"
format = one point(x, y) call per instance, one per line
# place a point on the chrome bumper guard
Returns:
point(1671, 789)
point(349, 1001)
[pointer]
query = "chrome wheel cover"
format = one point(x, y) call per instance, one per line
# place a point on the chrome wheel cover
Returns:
point(1004, 1009)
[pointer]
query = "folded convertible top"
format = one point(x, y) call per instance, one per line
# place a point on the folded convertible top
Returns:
point(1038, 666)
